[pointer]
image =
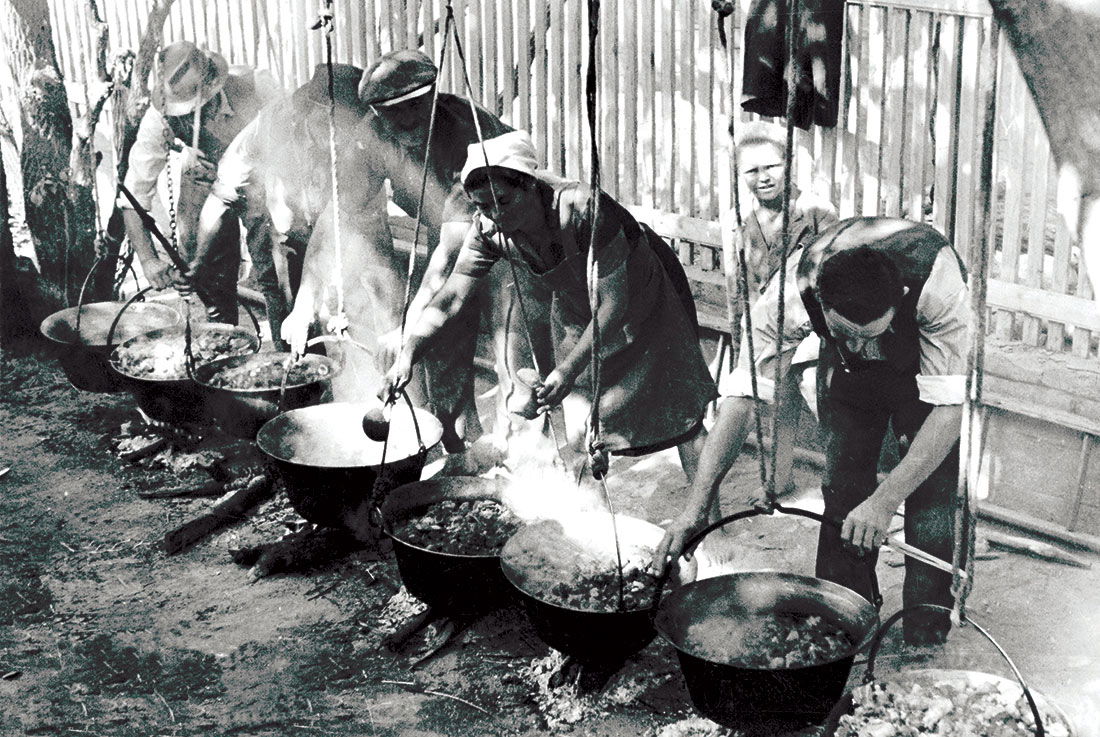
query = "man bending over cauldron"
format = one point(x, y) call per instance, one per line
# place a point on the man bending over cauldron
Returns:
point(888, 299)
point(276, 179)
point(199, 104)
point(396, 93)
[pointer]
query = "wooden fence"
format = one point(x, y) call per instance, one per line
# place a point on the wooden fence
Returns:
point(908, 142)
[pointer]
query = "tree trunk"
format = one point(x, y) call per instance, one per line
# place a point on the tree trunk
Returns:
point(58, 231)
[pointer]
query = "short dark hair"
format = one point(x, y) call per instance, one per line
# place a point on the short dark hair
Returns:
point(479, 178)
point(861, 284)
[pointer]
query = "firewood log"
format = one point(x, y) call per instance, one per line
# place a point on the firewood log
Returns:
point(232, 507)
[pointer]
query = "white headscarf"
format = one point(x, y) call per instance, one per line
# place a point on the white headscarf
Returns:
point(513, 150)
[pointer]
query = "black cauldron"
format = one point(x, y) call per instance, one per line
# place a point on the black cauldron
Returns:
point(1045, 714)
point(548, 552)
point(461, 584)
point(82, 338)
point(173, 396)
point(762, 700)
point(330, 468)
point(242, 412)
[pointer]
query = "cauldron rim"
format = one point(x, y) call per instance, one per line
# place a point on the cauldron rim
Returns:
point(211, 367)
point(431, 430)
point(924, 676)
point(671, 599)
point(175, 330)
point(390, 516)
point(67, 316)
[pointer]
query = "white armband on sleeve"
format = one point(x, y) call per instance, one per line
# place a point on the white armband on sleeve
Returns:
point(738, 383)
point(941, 389)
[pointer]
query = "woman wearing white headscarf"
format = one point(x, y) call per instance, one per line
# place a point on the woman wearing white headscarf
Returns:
point(654, 384)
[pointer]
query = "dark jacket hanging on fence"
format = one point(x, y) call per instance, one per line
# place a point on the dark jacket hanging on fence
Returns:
point(818, 41)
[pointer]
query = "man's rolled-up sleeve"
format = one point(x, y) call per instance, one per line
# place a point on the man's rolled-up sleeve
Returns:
point(769, 352)
point(147, 158)
point(943, 319)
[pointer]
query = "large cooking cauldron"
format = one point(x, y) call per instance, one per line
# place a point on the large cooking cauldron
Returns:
point(761, 700)
point(329, 467)
point(176, 398)
point(84, 336)
point(462, 584)
point(544, 553)
point(243, 411)
point(1048, 719)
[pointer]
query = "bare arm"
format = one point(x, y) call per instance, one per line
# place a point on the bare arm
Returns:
point(440, 264)
point(866, 526)
point(720, 452)
point(447, 303)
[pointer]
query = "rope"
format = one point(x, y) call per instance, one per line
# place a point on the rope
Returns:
point(722, 10)
point(597, 452)
point(792, 91)
point(592, 269)
point(327, 22)
point(424, 181)
point(965, 528)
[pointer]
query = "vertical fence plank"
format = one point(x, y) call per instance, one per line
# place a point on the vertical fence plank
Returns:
point(492, 58)
point(538, 123)
point(456, 83)
point(1059, 282)
point(712, 156)
point(555, 131)
point(1011, 165)
point(627, 22)
point(412, 23)
point(863, 169)
point(972, 63)
point(572, 43)
point(523, 63)
point(507, 62)
point(647, 51)
point(353, 16)
point(871, 99)
point(1036, 224)
point(895, 97)
point(668, 109)
point(918, 116)
point(1083, 339)
point(943, 203)
point(608, 108)
point(847, 190)
point(473, 47)
point(691, 185)
point(371, 43)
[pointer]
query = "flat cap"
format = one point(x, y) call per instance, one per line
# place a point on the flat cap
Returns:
point(345, 86)
point(396, 75)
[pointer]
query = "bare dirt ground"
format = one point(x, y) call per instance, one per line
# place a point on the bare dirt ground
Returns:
point(101, 633)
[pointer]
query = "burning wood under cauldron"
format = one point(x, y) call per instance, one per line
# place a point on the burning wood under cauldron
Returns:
point(584, 583)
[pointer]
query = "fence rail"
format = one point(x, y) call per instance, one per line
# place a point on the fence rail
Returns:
point(907, 142)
